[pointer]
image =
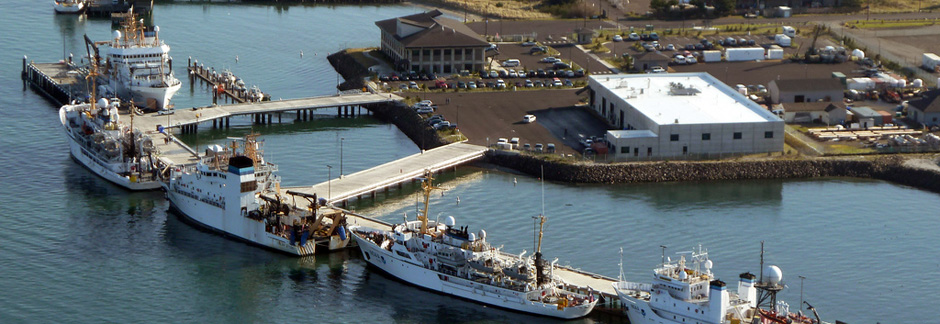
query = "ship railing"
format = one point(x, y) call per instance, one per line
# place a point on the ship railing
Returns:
point(629, 285)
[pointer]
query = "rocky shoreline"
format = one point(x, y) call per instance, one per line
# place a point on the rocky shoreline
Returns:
point(890, 168)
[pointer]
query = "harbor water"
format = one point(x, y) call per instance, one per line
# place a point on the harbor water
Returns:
point(77, 249)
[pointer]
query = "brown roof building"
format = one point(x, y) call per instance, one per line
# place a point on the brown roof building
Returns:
point(805, 90)
point(926, 110)
point(428, 42)
point(644, 62)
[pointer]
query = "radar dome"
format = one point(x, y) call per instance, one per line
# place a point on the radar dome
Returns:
point(472, 237)
point(117, 34)
point(708, 264)
point(683, 275)
point(772, 275)
point(102, 103)
point(450, 221)
point(482, 234)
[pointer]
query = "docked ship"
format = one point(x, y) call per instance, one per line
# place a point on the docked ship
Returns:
point(114, 151)
point(139, 66)
point(234, 192)
point(451, 260)
point(69, 6)
point(686, 291)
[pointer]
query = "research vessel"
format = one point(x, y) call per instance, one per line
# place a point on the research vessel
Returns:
point(234, 191)
point(451, 260)
point(139, 66)
point(110, 149)
point(686, 291)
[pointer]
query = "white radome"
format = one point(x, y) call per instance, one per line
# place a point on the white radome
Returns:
point(450, 221)
point(117, 34)
point(772, 275)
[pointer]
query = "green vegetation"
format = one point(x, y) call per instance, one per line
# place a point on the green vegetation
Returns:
point(874, 24)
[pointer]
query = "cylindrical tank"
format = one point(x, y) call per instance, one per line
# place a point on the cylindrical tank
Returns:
point(902, 83)
point(342, 232)
point(917, 83)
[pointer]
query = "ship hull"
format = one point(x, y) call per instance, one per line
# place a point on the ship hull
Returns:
point(86, 159)
point(639, 312)
point(239, 228)
point(417, 275)
point(68, 8)
point(142, 95)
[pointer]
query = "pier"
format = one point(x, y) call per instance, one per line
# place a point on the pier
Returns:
point(219, 87)
point(58, 82)
point(392, 173)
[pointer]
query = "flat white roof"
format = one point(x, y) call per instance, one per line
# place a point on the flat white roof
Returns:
point(631, 133)
point(689, 98)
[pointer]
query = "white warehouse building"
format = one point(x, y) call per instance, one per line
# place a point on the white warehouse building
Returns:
point(681, 114)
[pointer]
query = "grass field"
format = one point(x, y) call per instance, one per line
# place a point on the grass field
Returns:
point(872, 24)
point(879, 6)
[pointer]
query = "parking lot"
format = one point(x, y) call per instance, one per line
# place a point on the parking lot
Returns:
point(484, 117)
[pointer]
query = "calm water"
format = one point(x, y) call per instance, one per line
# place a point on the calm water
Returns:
point(77, 249)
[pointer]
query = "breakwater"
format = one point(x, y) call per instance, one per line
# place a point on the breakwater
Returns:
point(352, 72)
point(882, 168)
point(410, 123)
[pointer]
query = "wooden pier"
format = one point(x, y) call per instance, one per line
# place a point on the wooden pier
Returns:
point(59, 82)
point(219, 87)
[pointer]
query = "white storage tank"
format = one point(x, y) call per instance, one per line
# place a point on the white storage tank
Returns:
point(744, 54)
point(858, 53)
point(902, 83)
point(711, 56)
point(917, 83)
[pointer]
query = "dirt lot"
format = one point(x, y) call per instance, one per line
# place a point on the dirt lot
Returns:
point(493, 115)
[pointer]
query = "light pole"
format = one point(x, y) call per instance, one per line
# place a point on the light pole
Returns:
point(801, 291)
point(341, 139)
point(329, 183)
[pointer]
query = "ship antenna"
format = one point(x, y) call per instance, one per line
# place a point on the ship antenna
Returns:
point(664, 254)
point(761, 261)
point(621, 265)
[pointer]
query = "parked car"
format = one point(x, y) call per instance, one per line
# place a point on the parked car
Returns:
point(461, 85)
point(500, 84)
point(657, 69)
point(494, 74)
point(654, 36)
point(618, 38)
point(538, 49)
point(579, 73)
point(690, 47)
point(538, 83)
point(503, 74)
point(550, 73)
point(670, 47)
point(540, 73)
point(513, 74)
point(424, 110)
point(645, 36)
point(442, 125)
point(690, 60)
point(471, 85)
point(679, 59)
point(568, 83)
point(751, 42)
point(742, 42)
point(528, 43)
point(529, 84)
point(412, 85)
point(561, 65)
point(556, 82)
point(538, 147)
point(633, 37)
point(549, 59)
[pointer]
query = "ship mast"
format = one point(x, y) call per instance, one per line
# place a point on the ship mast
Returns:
point(427, 187)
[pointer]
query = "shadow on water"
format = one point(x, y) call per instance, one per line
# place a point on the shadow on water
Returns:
point(242, 125)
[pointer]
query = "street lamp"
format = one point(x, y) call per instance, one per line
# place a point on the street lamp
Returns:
point(329, 183)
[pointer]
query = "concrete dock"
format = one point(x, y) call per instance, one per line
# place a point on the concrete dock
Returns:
point(392, 173)
point(58, 82)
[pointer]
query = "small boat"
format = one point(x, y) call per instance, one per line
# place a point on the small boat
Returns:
point(69, 6)
point(451, 260)
point(690, 293)
point(228, 191)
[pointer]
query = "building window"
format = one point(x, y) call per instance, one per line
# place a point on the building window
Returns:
point(447, 52)
point(649, 151)
point(706, 136)
point(737, 135)
point(769, 134)
point(427, 53)
point(636, 151)
point(468, 51)
point(415, 54)
point(437, 53)
point(674, 138)
point(625, 149)
point(685, 150)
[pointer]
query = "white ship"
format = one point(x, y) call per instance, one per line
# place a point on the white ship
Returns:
point(226, 193)
point(108, 148)
point(684, 293)
point(452, 261)
point(69, 6)
point(139, 67)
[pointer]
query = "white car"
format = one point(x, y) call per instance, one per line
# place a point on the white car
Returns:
point(618, 38)
point(634, 37)
point(657, 69)
point(500, 84)
point(528, 119)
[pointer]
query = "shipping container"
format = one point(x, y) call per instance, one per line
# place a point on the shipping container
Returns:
point(744, 54)
point(931, 61)
point(775, 54)
point(711, 56)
